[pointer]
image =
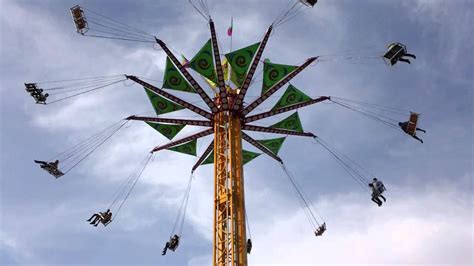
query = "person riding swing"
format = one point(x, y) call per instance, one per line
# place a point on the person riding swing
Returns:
point(172, 244)
point(410, 126)
point(102, 217)
point(50, 167)
point(321, 229)
point(40, 97)
point(396, 51)
point(36, 93)
point(377, 189)
point(249, 246)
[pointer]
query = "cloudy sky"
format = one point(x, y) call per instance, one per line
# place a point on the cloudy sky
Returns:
point(428, 217)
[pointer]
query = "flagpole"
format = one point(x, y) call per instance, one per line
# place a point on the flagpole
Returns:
point(230, 32)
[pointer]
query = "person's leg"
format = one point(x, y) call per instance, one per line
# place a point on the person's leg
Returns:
point(415, 137)
point(384, 199)
point(422, 130)
point(410, 55)
point(380, 201)
point(92, 217)
point(377, 201)
point(404, 60)
point(166, 248)
point(96, 219)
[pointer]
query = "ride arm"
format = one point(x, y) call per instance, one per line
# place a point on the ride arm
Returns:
point(171, 97)
point(218, 65)
point(203, 156)
point(184, 140)
point(189, 122)
point(188, 77)
point(248, 78)
point(277, 131)
point(261, 147)
point(284, 109)
point(276, 87)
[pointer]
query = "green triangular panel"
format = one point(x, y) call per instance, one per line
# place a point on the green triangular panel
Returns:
point(240, 62)
point(273, 145)
point(291, 96)
point(162, 105)
point(292, 122)
point(173, 80)
point(168, 130)
point(248, 156)
point(273, 73)
point(187, 148)
point(209, 159)
point(203, 62)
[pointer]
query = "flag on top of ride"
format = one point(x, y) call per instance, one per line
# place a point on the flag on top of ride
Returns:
point(231, 28)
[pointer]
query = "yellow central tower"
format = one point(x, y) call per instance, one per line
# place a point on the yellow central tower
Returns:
point(229, 242)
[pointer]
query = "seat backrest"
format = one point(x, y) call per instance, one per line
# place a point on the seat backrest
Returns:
point(77, 12)
point(414, 117)
point(412, 123)
point(395, 51)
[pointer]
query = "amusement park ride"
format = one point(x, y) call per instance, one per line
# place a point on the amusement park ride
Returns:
point(227, 116)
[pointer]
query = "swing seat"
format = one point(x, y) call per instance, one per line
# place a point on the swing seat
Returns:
point(174, 243)
point(54, 172)
point(79, 19)
point(174, 246)
point(40, 99)
point(36, 93)
point(412, 124)
point(81, 25)
point(395, 51)
point(309, 3)
point(77, 12)
point(105, 223)
point(321, 229)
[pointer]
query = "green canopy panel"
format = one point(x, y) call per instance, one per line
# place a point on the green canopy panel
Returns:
point(167, 130)
point(291, 96)
point(273, 145)
point(240, 62)
point(248, 156)
point(160, 104)
point(209, 159)
point(203, 62)
point(186, 148)
point(173, 79)
point(273, 73)
point(292, 122)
